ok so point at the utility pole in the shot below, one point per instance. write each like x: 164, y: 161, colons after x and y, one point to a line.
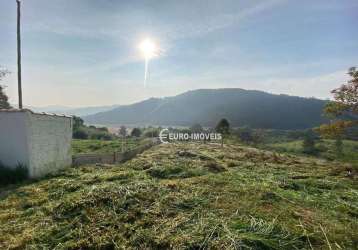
x: 19, y: 52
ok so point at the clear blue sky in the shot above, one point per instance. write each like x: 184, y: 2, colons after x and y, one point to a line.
x: 85, y: 52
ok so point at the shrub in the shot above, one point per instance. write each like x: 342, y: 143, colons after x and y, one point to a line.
x: 101, y: 136
x: 81, y: 131
x: 309, y: 144
x: 136, y: 132
x: 151, y: 133
x: 80, y: 134
x: 12, y: 176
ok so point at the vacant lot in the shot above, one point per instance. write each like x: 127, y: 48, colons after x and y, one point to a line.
x: 188, y: 196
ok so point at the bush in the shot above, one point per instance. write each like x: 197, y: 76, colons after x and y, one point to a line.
x: 12, y: 176
x: 81, y: 131
x: 309, y: 144
x: 151, y: 133
x: 77, y: 123
x: 80, y: 134
x: 136, y: 132
x: 101, y: 136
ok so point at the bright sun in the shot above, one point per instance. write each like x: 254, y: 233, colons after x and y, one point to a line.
x: 148, y: 48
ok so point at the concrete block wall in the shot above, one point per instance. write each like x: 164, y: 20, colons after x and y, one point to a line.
x: 111, y: 158
x: 41, y: 142
x: 13, y: 139
x: 50, y: 143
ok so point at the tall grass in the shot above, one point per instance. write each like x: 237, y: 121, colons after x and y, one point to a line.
x: 12, y: 175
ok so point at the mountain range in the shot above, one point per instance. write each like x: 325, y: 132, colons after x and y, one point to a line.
x: 241, y: 107
x: 81, y: 111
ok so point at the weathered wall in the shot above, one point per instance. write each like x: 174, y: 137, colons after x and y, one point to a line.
x: 13, y: 139
x: 42, y: 142
x: 50, y: 143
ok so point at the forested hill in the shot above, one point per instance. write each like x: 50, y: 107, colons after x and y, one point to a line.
x: 241, y: 107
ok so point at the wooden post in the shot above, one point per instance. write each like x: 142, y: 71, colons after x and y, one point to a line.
x: 19, y: 52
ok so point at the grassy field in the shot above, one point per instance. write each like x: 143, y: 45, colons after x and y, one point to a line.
x: 187, y: 196
x: 326, y: 149
x: 101, y: 146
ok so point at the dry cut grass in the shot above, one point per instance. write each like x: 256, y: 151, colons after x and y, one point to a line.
x: 187, y: 196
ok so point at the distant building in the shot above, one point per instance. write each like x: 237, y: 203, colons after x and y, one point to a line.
x: 39, y: 141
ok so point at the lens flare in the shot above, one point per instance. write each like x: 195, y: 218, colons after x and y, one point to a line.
x: 149, y: 50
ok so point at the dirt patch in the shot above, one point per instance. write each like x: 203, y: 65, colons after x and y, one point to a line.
x: 214, y: 167
x: 186, y: 154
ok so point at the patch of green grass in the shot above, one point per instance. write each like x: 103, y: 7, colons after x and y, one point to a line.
x: 326, y: 149
x: 172, y: 172
x: 206, y: 198
x: 101, y: 146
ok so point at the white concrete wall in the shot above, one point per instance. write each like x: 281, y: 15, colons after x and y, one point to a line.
x: 14, y: 139
x: 41, y: 142
x: 50, y: 143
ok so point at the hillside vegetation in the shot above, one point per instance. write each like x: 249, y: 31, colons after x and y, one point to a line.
x: 187, y: 196
x: 241, y: 107
x: 326, y: 149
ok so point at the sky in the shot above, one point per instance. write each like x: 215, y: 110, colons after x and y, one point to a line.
x: 85, y: 52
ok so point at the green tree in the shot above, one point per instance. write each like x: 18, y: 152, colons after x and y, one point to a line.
x: 309, y: 143
x: 80, y: 134
x: 136, y: 132
x: 79, y: 130
x: 77, y: 123
x: 4, y: 103
x: 223, y: 127
x: 123, y: 131
x: 343, y: 110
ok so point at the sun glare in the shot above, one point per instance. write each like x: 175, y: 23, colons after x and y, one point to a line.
x: 148, y: 48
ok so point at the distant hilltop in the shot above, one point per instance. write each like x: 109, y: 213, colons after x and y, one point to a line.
x: 241, y: 107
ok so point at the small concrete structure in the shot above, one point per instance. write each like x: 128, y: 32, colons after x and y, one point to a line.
x: 39, y: 141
